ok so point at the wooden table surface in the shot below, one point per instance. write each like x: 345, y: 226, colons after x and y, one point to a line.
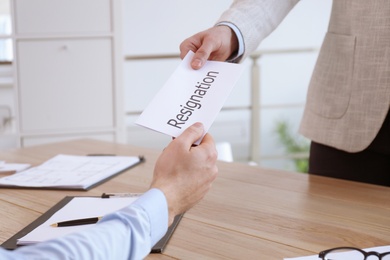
x: 250, y: 212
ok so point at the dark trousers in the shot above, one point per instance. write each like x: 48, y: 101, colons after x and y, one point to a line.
x: 371, y: 165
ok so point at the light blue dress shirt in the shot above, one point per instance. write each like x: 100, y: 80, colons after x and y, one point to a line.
x: 128, y: 233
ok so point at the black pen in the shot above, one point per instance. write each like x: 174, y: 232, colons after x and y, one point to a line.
x: 76, y: 222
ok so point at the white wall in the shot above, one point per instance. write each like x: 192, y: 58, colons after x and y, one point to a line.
x: 158, y: 27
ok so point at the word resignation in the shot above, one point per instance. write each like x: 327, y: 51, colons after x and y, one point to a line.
x: 194, y: 102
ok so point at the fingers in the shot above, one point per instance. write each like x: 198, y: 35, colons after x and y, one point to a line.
x: 188, y: 45
x: 208, y: 152
x: 216, y: 43
x: 208, y: 143
x: 202, y: 52
x: 202, y: 45
x: 191, y: 135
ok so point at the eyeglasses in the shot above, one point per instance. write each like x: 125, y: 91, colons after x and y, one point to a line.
x: 340, y: 253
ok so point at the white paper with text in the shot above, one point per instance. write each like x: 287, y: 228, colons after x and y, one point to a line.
x: 78, y: 207
x: 191, y: 96
x: 70, y: 171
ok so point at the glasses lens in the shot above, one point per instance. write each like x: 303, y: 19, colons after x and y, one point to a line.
x: 342, y: 254
x: 386, y: 257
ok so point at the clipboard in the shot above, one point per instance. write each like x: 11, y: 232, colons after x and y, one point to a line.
x: 11, y: 243
x: 94, y: 183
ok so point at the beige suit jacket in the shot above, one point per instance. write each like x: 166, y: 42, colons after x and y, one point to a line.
x: 349, y: 93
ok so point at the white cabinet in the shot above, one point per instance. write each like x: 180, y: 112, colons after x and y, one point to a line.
x: 65, y: 84
x: 68, y: 76
x: 53, y: 17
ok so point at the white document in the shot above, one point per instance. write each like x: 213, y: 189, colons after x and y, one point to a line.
x: 191, y: 96
x: 346, y: 255
x: 77, y: 208
x: 70, y: 171
x: 12, y: 167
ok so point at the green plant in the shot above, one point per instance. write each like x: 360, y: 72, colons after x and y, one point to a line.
x: 293, y: 145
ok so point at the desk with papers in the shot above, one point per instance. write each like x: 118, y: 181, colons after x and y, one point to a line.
x: 250, y: 212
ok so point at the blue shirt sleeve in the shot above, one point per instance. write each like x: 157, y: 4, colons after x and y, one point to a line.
x: 128, y: 233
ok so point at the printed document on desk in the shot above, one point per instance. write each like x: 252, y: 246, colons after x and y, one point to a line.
x: 71, y: 172
x: 91, y: 207
x: 191, y: 96
x: 7, y: 168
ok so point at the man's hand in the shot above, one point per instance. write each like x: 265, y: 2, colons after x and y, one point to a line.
x: 217, y: 43
x: 183, y: 172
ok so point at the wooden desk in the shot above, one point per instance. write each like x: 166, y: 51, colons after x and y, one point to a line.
x: 250, y: 213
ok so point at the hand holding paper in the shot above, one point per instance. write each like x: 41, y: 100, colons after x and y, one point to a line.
x: 191, y: 96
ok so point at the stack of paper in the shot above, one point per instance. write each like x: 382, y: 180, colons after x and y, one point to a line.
x: 70, y: 172
x: 7, y: 168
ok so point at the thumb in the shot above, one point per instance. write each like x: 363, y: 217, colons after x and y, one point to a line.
x: 201, y: 56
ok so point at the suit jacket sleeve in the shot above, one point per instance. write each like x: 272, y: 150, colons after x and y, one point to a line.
x: 256, y: 19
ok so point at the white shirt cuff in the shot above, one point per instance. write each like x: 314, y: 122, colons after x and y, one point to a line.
x: 241, y: 47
